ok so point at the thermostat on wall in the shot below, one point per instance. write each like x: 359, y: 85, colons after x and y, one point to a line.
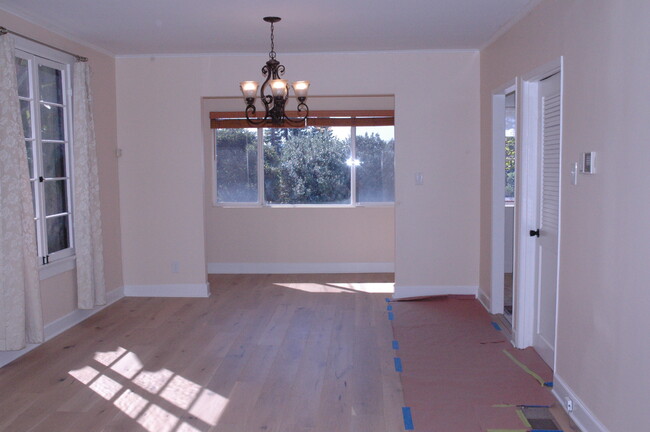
x: 588, y: 160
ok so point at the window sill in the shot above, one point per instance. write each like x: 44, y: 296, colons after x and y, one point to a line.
x: 55, y: 268
x: 303, y: 206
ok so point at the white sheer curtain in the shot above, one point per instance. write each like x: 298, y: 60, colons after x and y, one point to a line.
x: 91, y: 290
x: 21, y: 319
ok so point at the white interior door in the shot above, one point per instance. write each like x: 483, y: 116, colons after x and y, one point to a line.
x: 550, y: 107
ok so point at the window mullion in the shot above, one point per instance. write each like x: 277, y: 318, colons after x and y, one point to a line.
x: 260, y: 167
x: 353, y: 165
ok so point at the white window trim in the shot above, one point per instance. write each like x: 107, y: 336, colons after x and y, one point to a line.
x: 61, y: 261
x: 260, y: 182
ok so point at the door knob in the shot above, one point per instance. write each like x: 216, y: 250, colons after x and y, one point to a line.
x: 534, y: 233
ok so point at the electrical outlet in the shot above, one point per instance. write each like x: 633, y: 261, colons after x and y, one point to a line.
x: 569, y: 404
x: 175, y: 267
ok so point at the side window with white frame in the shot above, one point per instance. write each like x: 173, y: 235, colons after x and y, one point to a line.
x: 44, y: 90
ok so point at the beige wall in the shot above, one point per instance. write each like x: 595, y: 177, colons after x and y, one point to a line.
x: 59, y: 292
x: 602, y: 345
x: 162, y: 172
x: 294, y: 235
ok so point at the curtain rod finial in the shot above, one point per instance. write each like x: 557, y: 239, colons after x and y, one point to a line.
x: 3, y: 31
x: 81, y: 59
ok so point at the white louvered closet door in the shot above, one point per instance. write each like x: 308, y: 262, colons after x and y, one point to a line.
x: 549, y: 217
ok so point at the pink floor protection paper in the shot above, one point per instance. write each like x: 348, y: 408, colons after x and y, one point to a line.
x: 455, y: 374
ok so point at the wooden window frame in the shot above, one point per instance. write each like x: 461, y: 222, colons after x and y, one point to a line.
x: 322, y: 118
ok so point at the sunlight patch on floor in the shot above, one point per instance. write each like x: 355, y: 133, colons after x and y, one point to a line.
x: 128, y: 365
x: 368, y: 287
x: 157, y: 400
x: 209, y: 407
x: 106, y: 387
x: 337, y: 288
x: 187, y: 428
x: 153, y: 382
x: 86, y: 374
x: 156, y: 419
x: 131, y: 403
x: 180, y: 392
x: 108, y: 357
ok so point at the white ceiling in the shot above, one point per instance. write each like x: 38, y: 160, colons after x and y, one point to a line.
x: 139, y: 27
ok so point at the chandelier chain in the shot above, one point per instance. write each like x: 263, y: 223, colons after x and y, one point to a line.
x: 272, y: 53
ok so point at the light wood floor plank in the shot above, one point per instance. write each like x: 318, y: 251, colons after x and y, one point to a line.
x: 283, y: 353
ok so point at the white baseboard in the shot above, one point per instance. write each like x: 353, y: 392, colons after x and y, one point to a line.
x: 484, y: 299
x: 299, y: 268
x: 62, y: 324
x: 581, y: 415
x: 402, y: 292
x: 182, y: 290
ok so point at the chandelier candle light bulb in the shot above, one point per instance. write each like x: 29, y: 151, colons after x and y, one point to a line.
x: 279, y: 88
x: 248, y: 88
x: 300, y: 89
x: 275, y: 102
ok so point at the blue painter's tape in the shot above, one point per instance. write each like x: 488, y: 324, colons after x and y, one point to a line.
x: 389, y: 307
x: 387, y: 300
x: 390, y: 316
x: 408, y: 418
x: 398, y: 364
x: 548, y: 384
x: 395, y: 345
x: 496, y: 326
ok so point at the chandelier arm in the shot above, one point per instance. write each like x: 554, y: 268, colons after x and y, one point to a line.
x: 279, y: 71
x: 250, y: 112
x: 270, y: 71
x: 302, y: 107
x: 263, y: 95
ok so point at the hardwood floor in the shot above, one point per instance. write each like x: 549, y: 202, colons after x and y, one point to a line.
x: 269, y: 353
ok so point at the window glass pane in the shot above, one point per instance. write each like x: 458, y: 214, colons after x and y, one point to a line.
x: 26, y: 114
x: 236, y: 165
x: 29, y: 147
x: 53, y: 159
x: 55, y: 197
x: 51, y: 85
x: 511, y: 123
x: 306, y: 166
x: 375, y: 152
x: 51, y: 122
x: 57, y: 234
x: 33, y: 185
x: 22, y: 73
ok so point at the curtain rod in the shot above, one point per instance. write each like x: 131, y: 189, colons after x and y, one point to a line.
x: 4, y: 31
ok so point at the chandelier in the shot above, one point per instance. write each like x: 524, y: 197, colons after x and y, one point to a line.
x: 275, y: 102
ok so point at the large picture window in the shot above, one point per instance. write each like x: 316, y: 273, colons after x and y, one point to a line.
x: 337, y: 160
x: 44, y: 94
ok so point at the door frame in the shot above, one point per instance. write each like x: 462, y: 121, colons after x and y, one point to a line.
x: 527, y: 201
x: 498, y: 195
